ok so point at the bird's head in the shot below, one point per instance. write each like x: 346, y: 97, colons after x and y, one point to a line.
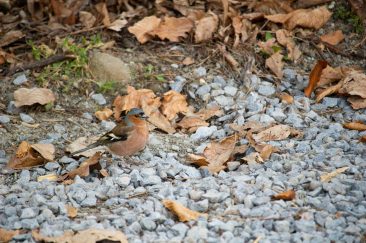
x: 137, y: 112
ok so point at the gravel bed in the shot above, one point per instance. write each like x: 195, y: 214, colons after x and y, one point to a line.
x: 237, y: 200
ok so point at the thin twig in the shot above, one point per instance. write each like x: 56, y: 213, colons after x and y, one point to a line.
x: 41, y: 63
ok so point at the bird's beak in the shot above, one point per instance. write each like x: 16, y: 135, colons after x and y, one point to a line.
x: 144, y: 116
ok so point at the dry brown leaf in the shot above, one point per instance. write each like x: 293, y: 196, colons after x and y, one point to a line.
x: 47, y: 151
x: 265, y: 151
x: 363, y: 139
x: 329, y: 176
x: 117, y: 25
x: 218, y: 153
x: 83, y: 142
x: 32, y: 96
x: 103, y: 11
x: 184, y: 214
x: 192, y: 123
x: 286, y: 98
x: 84, y: 169
x: 275, y: 64
x: 173, y: 28
x: 284, y: 38
x: 103, y: 114
x: 198, y: 160
x: 253, y: 126
x: 330, y: 90
x: 355, y: 84
x: 287, y: 196
x: 151, y: 109
x: 49, y: 177
x: 142, y: 28
x: 71, y: 211
x: 205, y: 28
x: 132, y: 100
x: 242, y: 29
x: 188, y: 61
x: 355, y: 126
x: 84, y: 236
x: 333, y: 38
x: 7, y: 235
x: 87, y: 19
x: 239, y: 150
x: 253, y: 157
x: 329, y: 75
x: 26, y: 156
x: 315, y: 76
x: 357, y: 102
x: 275, y: 133
x: 104, y: 172
x: 308, y: 18
x: 238, y: 129
x: 173, y: 103
x: 11, y: 36
x: 207, y: 113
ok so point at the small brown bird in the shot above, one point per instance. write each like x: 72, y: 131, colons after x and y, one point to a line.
x: 127, y: 138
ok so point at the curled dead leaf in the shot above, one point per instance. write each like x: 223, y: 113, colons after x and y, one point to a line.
x: 84, y: 169
x: 104, y: 114
x: 205, y: 28
x: 32, y: 96
x: 286, y: 98
x: 198, y: 160
x: 142, y: 28
x: 275, y: 64
x: 253, y: 157
x: 315, y: 76
x: 355, y: 84
x: 308, y: 18
x: 275, y: 133
x: 173, y: 29
x: 31, y: 155
x: 333, y: 38
x: 355, y: 126
x: 192, y: 123
x: 287, y: 196
x: 173, y: 103
x: 284, y: 38
x: 184, y: 214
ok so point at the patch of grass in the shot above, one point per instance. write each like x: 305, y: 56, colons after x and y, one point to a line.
x: 106, y: 87
x: 151, y: 74
x: 65, y: 73
x: 346, y: 15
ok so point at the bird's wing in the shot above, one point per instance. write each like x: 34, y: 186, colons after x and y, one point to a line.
x: 119, y: 133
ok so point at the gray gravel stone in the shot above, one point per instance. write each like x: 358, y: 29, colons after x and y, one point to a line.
x: 230, y: 90
x: 224, y: 100
x: 148, y: 224
x: 20, y: 79
x: 87, y: 116
x: 266, y: 89
x: 12, y: 109
x: 99, y: 99
x: 28, y: 213
x: 4, y: 119
x: 203, y: 133
x: 200, y: 72
x: 26, y: 118
x: 178, y: 83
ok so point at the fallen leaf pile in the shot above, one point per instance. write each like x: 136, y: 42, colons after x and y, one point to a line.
x: 28, y: 155
x: 164, y: 112
x: 216, y: 155
x: 344, y: 81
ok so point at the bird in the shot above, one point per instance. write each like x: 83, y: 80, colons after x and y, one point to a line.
x: 127, y: 138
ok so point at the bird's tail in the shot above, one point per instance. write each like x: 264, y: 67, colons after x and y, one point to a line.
x: 91, y: 146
